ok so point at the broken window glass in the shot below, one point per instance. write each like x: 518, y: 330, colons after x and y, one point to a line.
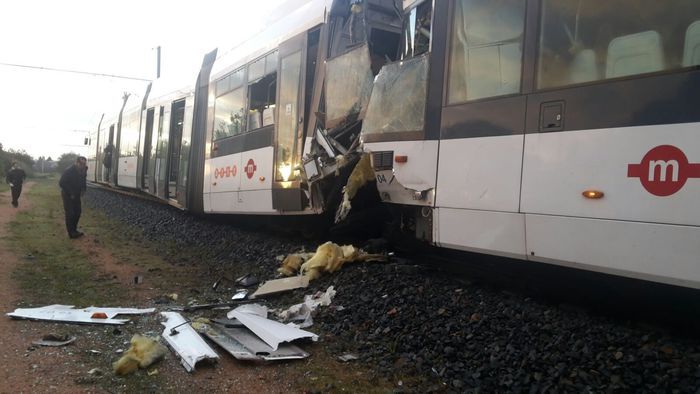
x: 348, y: 25
x: 348, y: 84
x: 398, y: 98
x: 416, y: 31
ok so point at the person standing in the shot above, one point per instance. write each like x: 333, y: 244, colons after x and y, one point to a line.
x: 15, y: 177
x: 72, y: 188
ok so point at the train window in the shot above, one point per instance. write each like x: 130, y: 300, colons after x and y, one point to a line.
x: 271, y: 62
x: 229, y: 110
x: 416, y: 31
x: 486, y: 49
x: 261, y: 102
x: 585, y: 41
x: 229, y: 82
x: 398, y: 98
x: 349, y: 84
x: 256, y: 69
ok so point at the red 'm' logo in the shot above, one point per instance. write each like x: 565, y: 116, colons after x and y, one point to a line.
x: 250, y: 168
x: 664, y: 170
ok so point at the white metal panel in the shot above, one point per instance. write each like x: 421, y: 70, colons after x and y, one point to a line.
x: 255, y: 202
x: 127, y: 171
x: 256, y: 169
x: 225, y: 173
x: 656, y: 252
x: 481, y: 231
x: 417, y: 174
x: 558, y: 167
x: 224, y: 202
x: 480, y: 173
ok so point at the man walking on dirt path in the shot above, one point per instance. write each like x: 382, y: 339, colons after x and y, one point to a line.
x: 72, y: 188
x: 15, y: 177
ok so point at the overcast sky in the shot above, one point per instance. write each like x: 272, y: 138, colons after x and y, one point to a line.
x: 48, y: 113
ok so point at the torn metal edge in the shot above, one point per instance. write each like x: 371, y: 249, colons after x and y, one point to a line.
x: 270, y: 331
x: 184, y: 340
x: 243, y: 344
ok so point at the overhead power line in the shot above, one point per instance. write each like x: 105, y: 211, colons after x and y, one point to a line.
x: 72, y: 71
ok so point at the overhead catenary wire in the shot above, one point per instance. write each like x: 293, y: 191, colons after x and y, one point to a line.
x: 96, y: 74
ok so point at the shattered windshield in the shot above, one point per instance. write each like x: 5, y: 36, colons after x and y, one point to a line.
x: 398, y: 98
x: 349, y: 84
x: 416, y: 31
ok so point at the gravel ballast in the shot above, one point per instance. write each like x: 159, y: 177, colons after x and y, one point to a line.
x: 430, y: 330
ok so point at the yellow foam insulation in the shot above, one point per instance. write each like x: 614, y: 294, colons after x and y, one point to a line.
x: 143, y: 352
x: 329, y: 257
x: 360, y: 175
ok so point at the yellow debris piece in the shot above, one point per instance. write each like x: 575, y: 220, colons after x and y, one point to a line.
x: 329, y: 257
x: 360, y: 175
x: 143, y: 352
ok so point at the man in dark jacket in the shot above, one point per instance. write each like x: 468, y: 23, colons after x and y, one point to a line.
x: 15, y: 177
x: 72, y: 188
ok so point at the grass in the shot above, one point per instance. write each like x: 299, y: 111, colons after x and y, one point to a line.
x: 4, y: 187
x: 54, y: 270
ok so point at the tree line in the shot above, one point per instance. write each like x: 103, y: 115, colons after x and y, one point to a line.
x: 34, y: 166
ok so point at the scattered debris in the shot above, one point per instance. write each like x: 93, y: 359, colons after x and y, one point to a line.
x: 270, y: 331
x: 185, y: 341
x: 280, y: 285
x: 138, y: 279
x: 54, y: 340
x: 302, y: 312
x: 240, y: 295
x: 219, y: 305
x: 96, y: 372
x: 93, y: 351
x: 67, y: 314
x: 329, y: 257
x: 347, y: 357
x: 247, y: 280
x: 173, y: 296
x: 153, y: 372
x: 242, y: 344
x: 144, y: 351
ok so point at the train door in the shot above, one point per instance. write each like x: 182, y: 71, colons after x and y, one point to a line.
x: 482, y: 129
x: 177, y: 120
x: 161, y: 173
x: 148, y: 136
x: 185, y: 151
x: 286, y: 192
x: 109, y: 156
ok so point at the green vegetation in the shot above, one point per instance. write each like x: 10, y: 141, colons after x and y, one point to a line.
x: 55, y: 271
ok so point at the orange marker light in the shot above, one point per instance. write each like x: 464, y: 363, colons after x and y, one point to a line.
x: 262, y: 179
x: 593, y: 194
x: 400, y: 159
x: 99, y: 315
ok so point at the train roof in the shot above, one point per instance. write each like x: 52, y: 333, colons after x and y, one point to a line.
x: 296, y: 17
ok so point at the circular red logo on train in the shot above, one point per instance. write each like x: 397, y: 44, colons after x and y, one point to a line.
x: 664, y: 170
x: 250, y: 168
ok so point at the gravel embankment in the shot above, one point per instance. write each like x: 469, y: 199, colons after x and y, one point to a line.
x: 432, y: 330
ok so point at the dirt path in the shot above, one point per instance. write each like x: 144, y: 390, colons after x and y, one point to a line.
x: 24, y: 368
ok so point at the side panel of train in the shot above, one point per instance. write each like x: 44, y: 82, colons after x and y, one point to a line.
x: 567, y: 133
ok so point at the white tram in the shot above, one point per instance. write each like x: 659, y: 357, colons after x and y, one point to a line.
x: 556, y: 131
